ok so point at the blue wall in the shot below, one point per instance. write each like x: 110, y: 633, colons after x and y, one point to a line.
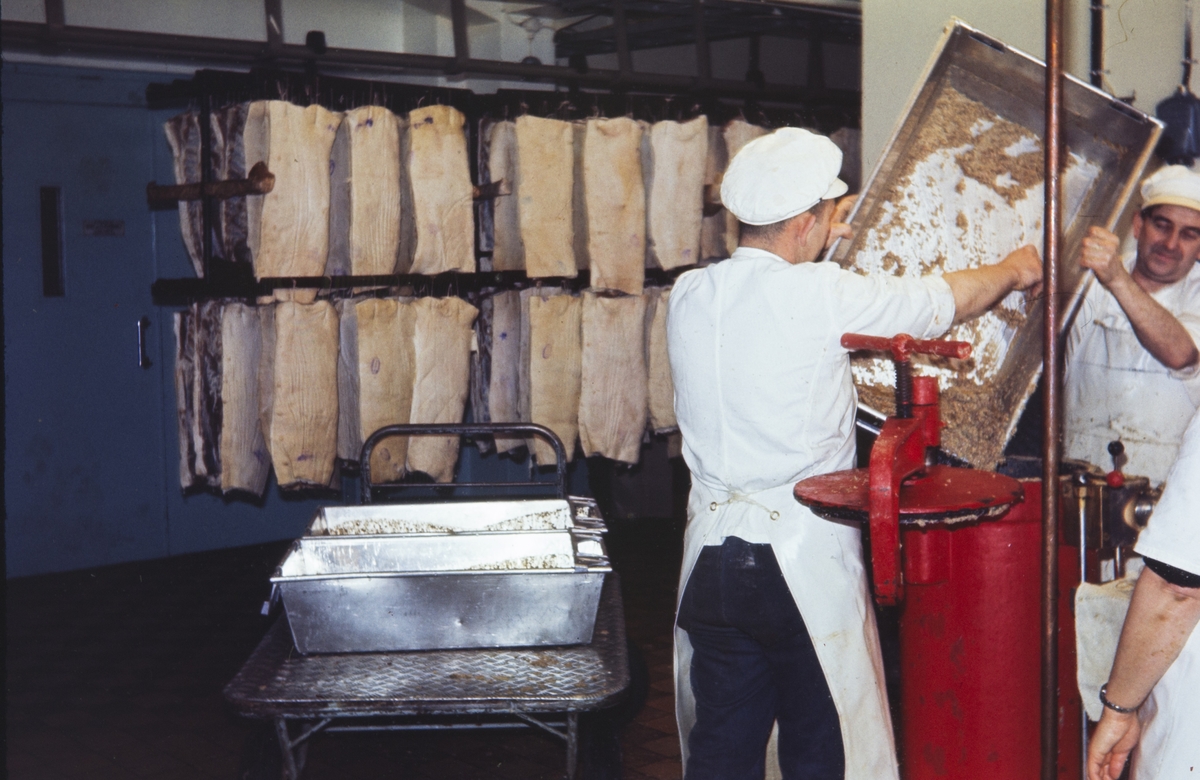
x: 92, y: 463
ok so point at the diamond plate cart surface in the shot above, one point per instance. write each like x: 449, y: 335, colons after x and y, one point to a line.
x: 304, y: 695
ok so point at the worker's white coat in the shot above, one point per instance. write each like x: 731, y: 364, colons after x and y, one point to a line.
x: 1115, y: 389
x: 1170, y: 744
x: 764, y: 398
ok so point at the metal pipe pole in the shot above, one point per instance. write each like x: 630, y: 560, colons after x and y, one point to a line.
x: 1051, y: 454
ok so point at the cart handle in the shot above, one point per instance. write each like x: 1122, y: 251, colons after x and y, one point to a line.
x: 560, y: 452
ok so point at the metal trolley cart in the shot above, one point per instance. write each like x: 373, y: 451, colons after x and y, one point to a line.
x: 543, y: 687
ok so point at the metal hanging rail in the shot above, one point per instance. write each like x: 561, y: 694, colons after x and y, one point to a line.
x: 67, y: 39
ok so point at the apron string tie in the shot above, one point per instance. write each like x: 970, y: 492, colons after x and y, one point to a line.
x: 743, y: 498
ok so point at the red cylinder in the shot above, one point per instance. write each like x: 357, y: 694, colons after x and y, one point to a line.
x: 970, y: 650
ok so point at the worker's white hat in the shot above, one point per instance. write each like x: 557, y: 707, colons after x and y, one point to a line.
x: 1173, y: 185
x: 779, y: 175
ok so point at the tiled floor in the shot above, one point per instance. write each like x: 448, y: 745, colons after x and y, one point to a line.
x: 117, y: 673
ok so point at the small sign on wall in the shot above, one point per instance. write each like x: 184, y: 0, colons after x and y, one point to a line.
x: 104, y: 228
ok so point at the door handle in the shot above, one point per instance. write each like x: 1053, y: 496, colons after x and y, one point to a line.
x: 143, y: 357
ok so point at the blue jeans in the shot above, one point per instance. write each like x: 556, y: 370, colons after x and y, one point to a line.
x: 753, y: 664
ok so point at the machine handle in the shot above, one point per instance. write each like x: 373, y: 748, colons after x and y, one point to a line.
x: 902, y: 346
x: 143, y: 356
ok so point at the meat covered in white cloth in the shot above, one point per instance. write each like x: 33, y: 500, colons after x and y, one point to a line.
x: 387, y: 365
x: 660, y: 396
x: 288, y: 228
x: 612, y: 401
x: 304, y: 401
x: 439, y: 175
x: 614, y: 199
x: 546, y: 153
x: 549, y: 372
x: 678, y: 154
x: 364, y: 219
x: 442, y: 336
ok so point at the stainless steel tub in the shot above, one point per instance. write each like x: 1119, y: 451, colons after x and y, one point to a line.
x: 445, y: 578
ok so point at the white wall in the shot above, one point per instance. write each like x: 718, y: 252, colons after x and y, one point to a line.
x: 1142, y: 54
x: 899, y: 37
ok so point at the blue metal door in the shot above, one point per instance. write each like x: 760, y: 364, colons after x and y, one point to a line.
x: 83, y: 472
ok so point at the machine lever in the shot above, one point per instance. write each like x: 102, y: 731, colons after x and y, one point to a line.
x: 902, y: 346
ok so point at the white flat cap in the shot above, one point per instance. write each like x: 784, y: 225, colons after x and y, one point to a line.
x: 779, y: 175
x: 1172, y: 185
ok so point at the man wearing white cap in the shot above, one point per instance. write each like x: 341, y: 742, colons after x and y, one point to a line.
x: 1133, y: 370
x: 775, y: 625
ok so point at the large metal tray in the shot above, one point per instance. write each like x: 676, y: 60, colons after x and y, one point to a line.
x: 459, y: 517
x: 960, y: 185
x: 439, y: 588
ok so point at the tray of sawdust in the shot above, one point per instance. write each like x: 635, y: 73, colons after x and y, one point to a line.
x: 960, y: 184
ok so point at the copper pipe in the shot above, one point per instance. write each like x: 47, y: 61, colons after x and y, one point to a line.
x: 1051, y: 454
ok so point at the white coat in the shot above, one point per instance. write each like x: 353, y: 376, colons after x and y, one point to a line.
x: 764, y: 398
x: 1115, y: 389
x: 1171, y: 715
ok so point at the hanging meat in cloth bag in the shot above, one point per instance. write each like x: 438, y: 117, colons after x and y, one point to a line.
x: 675, y: 156
x: 660, y: 395
x: 551, y: 348
x: 508, y: 253
x: 736, y: 134
x: 245, y: 462
x: 712, y: 230
x: 386, y: 373
x: 612, y: 404
x: 303, y: 406
x: 288, y: 228
x: 229, y: 161
x: 183, y: 135
x: 442, y: 195
x: 546, y: 151
x: 349, y: 436
x: 364, y: 216
x: 504, y: 382
x: 614, y: 204
x: 442, y: 336
x: 185, y: 376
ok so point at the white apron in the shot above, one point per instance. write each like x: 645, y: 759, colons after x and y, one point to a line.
x: 764, y: 398
x: 822, y: 563
x: 1115, y: 389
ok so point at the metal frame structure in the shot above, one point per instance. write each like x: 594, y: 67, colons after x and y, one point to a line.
x: 343, y: 692
x: 57, y: 37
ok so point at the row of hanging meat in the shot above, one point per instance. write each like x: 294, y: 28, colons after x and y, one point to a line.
x: 368, y: 192
x: 298, y: 386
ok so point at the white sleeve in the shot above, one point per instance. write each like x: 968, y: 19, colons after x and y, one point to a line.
x: 887, y: 305
x: 1173, y: 533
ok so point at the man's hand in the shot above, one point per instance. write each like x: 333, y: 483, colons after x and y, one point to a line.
x: 1109, y: 748
x: 1100, y: 252
x: 978, y: 289
x: 838, y: 228
x: 1026, y: 267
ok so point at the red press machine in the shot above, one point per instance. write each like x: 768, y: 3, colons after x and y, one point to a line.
x: 959, y: 551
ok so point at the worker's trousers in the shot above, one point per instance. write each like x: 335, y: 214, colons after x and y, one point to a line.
x: 753, y: 664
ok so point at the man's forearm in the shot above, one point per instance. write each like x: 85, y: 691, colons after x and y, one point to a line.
x: 978, y: 289
x: 1161, y: 618
x: 1156, y: 329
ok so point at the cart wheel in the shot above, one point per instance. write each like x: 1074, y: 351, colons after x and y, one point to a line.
x: 260, y: 754
x: 639, y: 688
x: 600, y: 732
x: 599, y: 747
